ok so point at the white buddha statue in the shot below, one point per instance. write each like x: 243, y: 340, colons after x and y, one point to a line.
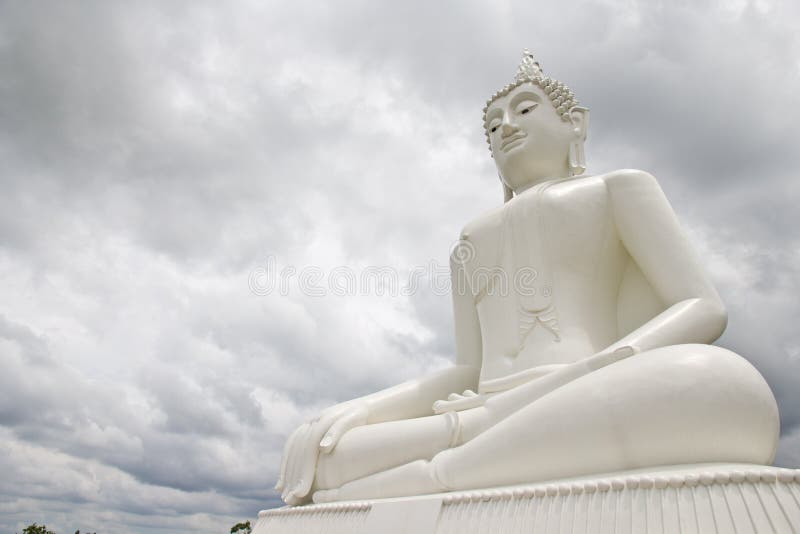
x: 582, y: 319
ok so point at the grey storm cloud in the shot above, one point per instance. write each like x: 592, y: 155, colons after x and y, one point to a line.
x: 153, y: 156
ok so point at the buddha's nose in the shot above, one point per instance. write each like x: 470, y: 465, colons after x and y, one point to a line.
x: 507, y: 127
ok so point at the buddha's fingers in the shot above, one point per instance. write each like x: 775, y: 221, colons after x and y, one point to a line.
x: 293, y: 500
x: 291, y: 478
x: 307, y: 463
x: 355, y: 417
x: 458, y: 405
x: 287, y: 451
x: 290, y: 458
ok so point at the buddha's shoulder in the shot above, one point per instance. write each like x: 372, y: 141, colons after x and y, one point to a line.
x: 625, y: 177
x: 483, y: 223
x: 609, y: 180
x: 598, y: 187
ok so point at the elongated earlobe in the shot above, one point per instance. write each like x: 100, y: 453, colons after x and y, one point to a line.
x: 577, y: 159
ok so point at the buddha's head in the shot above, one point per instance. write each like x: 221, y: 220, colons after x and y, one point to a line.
x: 535, y: 129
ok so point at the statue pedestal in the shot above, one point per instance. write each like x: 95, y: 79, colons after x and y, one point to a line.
x: 700, y: 499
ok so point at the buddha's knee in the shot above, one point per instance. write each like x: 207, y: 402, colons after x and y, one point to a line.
x: 704, y: 403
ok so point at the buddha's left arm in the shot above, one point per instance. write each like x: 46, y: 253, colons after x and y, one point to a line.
x: 693, y: 312
x: 649, y: 230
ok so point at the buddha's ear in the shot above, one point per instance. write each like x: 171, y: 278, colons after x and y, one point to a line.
x: 580, y: 121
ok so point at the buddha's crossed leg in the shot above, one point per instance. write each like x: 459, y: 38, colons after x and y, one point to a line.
x: 674, y: 405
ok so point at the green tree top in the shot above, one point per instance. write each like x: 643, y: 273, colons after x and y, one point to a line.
x: 36, y: 529
x: 241, y: 528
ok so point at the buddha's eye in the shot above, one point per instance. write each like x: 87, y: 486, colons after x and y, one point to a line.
x: 494, y: 125
x: 526, y: 107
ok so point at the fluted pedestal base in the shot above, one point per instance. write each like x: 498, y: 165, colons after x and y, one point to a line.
x: 699, y: 499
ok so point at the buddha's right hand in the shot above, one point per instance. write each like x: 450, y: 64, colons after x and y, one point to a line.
x: 299, y: 464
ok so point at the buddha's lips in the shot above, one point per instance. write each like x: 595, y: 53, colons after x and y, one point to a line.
x: 516, y: 137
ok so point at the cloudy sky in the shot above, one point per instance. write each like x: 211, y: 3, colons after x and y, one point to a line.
x: 160, y: 161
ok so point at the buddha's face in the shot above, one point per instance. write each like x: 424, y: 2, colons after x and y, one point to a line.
x: 529, y: 139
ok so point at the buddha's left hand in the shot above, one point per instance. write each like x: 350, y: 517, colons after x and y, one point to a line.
x: 458, y: 402
x: 469, y: 399
x: 530, y: 383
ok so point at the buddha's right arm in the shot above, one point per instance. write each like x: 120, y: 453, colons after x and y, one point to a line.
x: 408, y: 400
x: 415, y: 398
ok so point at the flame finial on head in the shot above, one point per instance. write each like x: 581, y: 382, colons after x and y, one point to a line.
x: 528, y: 68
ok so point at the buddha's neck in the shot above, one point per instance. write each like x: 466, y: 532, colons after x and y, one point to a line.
x: 533, y: 183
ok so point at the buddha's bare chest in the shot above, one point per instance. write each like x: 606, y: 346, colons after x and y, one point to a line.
x: 559, y: 231
x: 541, y: 266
